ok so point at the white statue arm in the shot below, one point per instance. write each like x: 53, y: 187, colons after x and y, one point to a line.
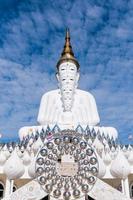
x: 96, y: 117
x: 93, y: 109
x: 43, y: 109
x: 47, y: 110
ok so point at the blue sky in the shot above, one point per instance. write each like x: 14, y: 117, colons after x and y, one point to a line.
x: 31, y: 40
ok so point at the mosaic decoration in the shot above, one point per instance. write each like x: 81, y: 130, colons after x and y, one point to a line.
x: 67, y: 166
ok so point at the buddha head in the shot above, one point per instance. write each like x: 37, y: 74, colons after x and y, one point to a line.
x: 67, y: 74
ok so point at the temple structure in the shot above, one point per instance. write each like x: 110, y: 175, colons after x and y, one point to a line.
x: 68, y: 155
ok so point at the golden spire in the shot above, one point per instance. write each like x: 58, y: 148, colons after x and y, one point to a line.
x: 67, y: 53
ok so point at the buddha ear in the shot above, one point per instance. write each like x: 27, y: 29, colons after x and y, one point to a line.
x: 57, y: 75
x: 77, y: 77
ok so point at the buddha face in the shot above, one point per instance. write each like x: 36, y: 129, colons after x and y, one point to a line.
x: 68, y: 78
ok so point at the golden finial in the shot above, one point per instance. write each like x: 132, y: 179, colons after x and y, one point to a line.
x: 67, y: 53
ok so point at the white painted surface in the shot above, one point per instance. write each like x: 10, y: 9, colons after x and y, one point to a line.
x: 84, y: 110
x: 33, y: 191
x: 103, y: 191
x: 30, y: 191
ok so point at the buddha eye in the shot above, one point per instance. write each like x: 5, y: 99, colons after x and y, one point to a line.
x: 71, y: 79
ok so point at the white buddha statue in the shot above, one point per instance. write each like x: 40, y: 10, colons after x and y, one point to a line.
x: 68, y: 106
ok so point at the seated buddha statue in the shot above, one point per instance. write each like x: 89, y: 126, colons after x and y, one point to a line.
x: 68, y: 106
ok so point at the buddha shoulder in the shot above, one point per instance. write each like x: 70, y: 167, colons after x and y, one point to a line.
x: 52, y: 93
x: 85, y: 94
